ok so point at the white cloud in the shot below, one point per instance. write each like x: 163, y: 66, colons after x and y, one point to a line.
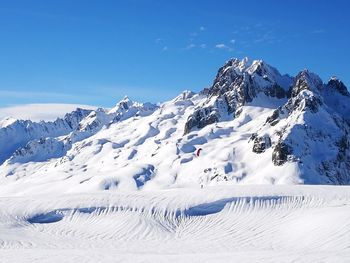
x: 202, y: 28
x: 190, y: 46
x: 158, y: 40
x: 38, y: 112
x: 221, y: 46
x: 318, y: 31
x: 233, y: 41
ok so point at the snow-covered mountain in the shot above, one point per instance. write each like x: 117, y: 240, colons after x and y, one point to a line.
x: 254, y: 126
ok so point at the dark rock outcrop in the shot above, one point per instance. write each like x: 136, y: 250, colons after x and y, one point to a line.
x: 201, y: 118
x: 336, y: 84
x: 281, y: 153
x: 276, y: 91
x: 273, y: 119
x: 305, y: 80
x: 261, y: 143
x: 237, y: 83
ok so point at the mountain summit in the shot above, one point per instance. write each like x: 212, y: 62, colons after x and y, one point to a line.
x: 253, y: 126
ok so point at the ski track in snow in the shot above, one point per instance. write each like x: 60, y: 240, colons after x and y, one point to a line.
x: 224, y: 223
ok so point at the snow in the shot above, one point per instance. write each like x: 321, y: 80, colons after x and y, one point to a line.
x: 124, y: 184
x: 110, y: 149
x: 213, y: 224
x: 133, y: 191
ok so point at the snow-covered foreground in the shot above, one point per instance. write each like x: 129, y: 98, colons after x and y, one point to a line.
x: 215, y: 224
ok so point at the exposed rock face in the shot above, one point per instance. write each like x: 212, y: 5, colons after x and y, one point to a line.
x: 313, y: 113
x: 281, y: 153
x: 49, y: 148
x: 274, y: 118
x: 276, y: 91
x: 260, y: 143
x: 337, y: 85
x: 305, y: 80
x: 236, y: 84
x: 312, y: 117
x: 201, y: 118
x: 211, y: 113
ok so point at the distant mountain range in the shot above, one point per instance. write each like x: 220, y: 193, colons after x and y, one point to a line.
x: 254, y: 126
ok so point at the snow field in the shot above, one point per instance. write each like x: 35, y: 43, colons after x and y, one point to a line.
x: 293, y: 223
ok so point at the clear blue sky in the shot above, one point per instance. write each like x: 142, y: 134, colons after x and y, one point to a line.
x: 95, y: 52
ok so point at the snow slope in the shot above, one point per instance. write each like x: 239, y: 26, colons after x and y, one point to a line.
x: 216, y: 224
x: 254, y: 125
x: 125, y: 185
x: 137, y: 152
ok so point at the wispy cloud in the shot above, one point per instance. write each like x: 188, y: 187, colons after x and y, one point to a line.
x: 203, y: 45
x: 36, y: 95
x: 233, y: 41
x: 202, y: 28
x: 40, y: 111
x: 158, y: 40
x: 223, y: 47
x: 267, y: 37
x: 161, y: 44
x: 190, y: 46
x: 318, y: 31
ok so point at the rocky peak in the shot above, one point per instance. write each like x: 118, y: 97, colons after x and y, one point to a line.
x: 73, y: 118
x: 124, y: 104
x: 239, y: 76
x: 237, y: 83
x: 337, y: 85
x: 185, y: 95
x: 305, y: 80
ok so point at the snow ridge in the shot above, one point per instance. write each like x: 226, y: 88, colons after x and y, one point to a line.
x: 254, y: 126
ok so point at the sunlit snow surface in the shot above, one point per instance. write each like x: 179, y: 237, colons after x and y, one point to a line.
x: 213, y: 224
x: 130, y: 191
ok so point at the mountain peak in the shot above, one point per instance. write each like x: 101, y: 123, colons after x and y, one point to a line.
x: 126, y: 98
x: 250, y: 131
x: 306, y: 80
x: 239, y: 65
x: 7, y: 121
x: 124, y: 104
x: 338, y: 85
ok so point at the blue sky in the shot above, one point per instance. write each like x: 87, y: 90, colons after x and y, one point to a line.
x: 95, y: 52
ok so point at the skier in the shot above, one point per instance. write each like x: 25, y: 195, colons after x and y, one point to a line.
x: 198, y: 152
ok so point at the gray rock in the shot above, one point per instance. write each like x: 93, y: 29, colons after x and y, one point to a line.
x: 261, y: 143
x: 274, y: 118
x: 336, y: 84
x: 281, y: 153
x: 201, y: 118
